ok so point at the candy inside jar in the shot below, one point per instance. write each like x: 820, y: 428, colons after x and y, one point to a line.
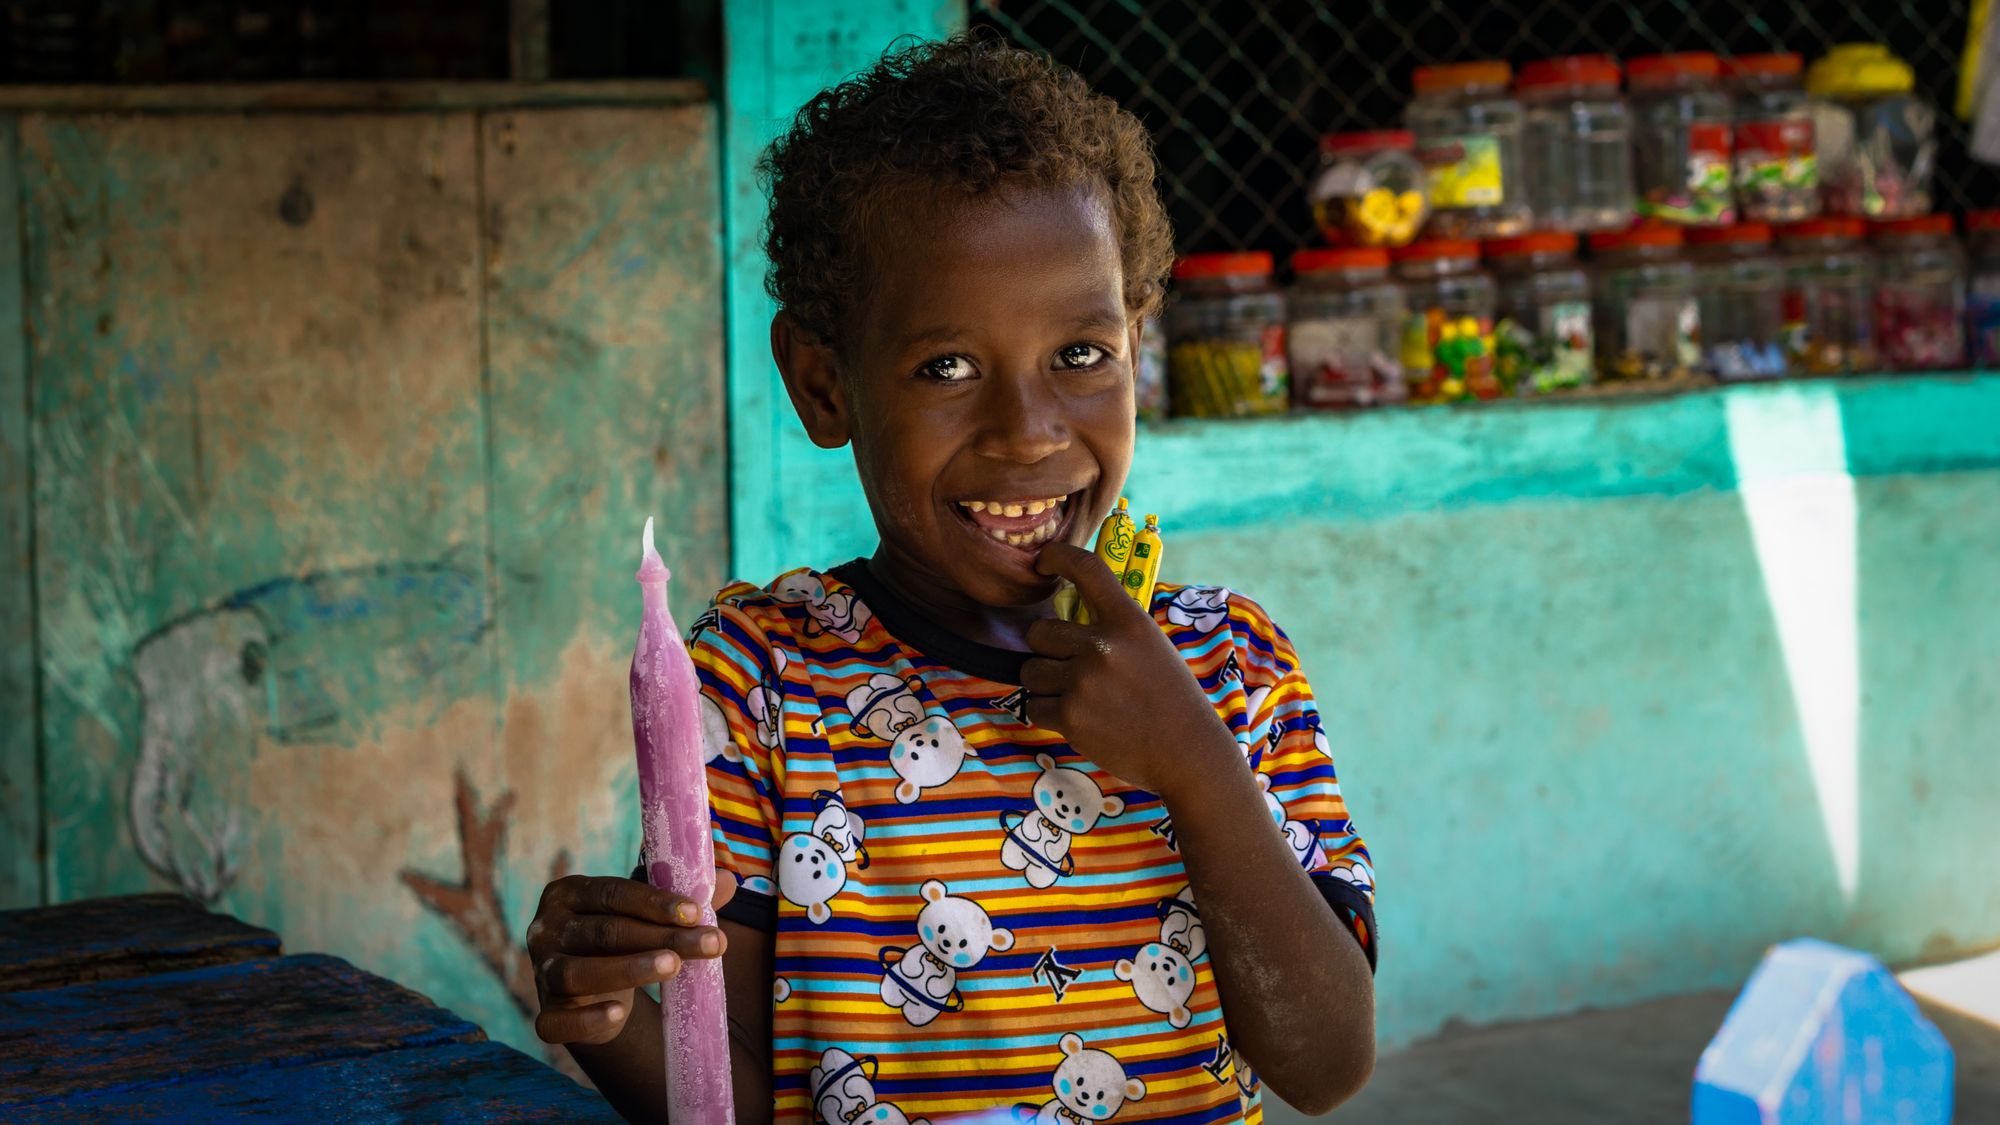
x: 1681, y: 147
x: 1829, y: 297
x: 1543, y: 339
x: 1740, y: 289
x: 1447, y: 341
x: 1919, y: 293
x: 1877, y: 140
x: 1648, y: 322
x: 1982, y: 301
x: 1370, y: 189
x: 1226, y: 338
x: 1776, y: 162
x: 1345, y: 322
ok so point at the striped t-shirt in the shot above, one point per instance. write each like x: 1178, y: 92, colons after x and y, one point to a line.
x: 965, y: 912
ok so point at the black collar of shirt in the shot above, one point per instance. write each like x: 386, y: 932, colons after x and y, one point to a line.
x: 908, y: 624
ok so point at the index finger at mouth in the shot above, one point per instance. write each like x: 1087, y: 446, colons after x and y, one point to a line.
x: 1099, y: 588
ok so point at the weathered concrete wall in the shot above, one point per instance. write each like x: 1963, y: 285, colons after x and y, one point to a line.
x: 1620, y: 692
x: 344, y: 425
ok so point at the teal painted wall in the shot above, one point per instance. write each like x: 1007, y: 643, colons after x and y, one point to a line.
x: 777, y: 55
x: 1621, y: 692
x: 344, y: 425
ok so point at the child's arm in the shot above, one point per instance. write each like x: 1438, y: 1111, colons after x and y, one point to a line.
x: 1297, y: 994
x: 593, y: 944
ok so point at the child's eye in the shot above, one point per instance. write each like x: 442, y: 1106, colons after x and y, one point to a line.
x: 946, y: 369
x: 1079, y: 356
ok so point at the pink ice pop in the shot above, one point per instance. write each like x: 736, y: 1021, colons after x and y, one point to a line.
x: 680, y: 856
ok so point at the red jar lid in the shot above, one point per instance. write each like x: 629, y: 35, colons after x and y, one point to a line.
x: 1777, y: 64
x: 1736, y: 234
x: 1533, y: 242
x: 1573, y: 70
x: 1333, y: 144
x: 1638, y: 236
x: 1661, y: 70
x: 1915, y: 224
x: 1827, y: 226
x: 1432, y: 249
x: 1340, y: 258
x: 1982, y: 220
x: 1461, y: 76
x: 1246, y: 264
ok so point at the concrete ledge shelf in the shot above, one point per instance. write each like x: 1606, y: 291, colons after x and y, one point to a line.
x: 1218, y: 473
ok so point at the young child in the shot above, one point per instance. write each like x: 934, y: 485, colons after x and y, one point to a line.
x: 977, y: 855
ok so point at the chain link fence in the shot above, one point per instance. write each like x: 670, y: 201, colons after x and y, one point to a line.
x: 1237, y: 95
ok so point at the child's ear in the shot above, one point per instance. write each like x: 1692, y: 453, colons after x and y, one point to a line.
x: 812, y: 380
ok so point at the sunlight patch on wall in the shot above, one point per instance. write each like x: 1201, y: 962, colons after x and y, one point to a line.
x: 1791, y: 465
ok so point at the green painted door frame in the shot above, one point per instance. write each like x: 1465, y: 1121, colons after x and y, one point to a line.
x: 777, y: 54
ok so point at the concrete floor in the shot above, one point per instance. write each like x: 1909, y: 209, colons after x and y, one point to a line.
x: 1636, y: 1064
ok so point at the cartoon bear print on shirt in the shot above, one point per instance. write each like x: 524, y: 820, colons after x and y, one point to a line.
x: 1320, y: 742
x: 885, y: 706
x: 765, y: 703
x: 1163, y: 979
x: 1300, y: 835
x: 838, y: 614
x: 1203, y: 608
x: 925, y: 756
x: 1180, y: 925
x: 715, y: 740
x: 1090, y: 1085
x: 1246, y: 736
x: 810, y: 872
x: 833, y: 823
x: 954, y: 934
x: 843, y: 1092
x: 1067, y: 804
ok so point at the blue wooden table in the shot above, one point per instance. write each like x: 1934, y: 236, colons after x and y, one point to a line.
x: 149, y: 1008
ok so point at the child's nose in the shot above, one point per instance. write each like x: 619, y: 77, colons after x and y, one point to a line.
x: 1023, y: 420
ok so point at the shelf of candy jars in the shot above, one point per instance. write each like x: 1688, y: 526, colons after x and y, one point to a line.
x: 1586, y: 226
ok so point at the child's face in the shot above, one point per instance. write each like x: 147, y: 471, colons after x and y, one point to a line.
x: 993, y: 366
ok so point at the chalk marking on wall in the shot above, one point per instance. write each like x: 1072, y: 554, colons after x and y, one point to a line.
x: 472, y: 905
x: 281, y: 660
x: 1790, y: 452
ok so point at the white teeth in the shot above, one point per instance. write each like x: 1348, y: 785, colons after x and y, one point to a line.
x: 997, y: 534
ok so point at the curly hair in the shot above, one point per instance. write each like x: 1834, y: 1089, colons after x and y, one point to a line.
x: 970, y: 113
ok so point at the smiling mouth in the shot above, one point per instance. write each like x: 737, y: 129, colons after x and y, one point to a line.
x: 1023, y: 525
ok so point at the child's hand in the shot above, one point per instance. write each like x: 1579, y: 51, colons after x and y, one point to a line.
x: 1117, y: 688
x: 596, y: 939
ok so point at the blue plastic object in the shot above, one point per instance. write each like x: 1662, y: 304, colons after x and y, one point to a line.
x: 1823, y: 1034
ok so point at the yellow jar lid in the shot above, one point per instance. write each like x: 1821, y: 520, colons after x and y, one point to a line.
x: 1859, y: 69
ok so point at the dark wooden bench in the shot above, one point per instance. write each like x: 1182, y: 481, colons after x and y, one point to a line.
x: 149, y: 1008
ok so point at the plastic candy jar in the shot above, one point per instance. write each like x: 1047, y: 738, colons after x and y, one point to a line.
x: 1149, y: 371
x: 1681, y: 145
x: 1226, y: 338
x: 1919, y: 293
x: 1740, y: 290
x: 1577, y: 143
x: 1777, y: 164
x: 1370, y: 189
x: 1468, y: 132
x: 1829, y: 297
x: 1345, y: 329
x: 1648, y: 323
x: 1982, y: 304
x: 1447, y: 345
x: 1542, y: 340
x: 1877, y: 140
